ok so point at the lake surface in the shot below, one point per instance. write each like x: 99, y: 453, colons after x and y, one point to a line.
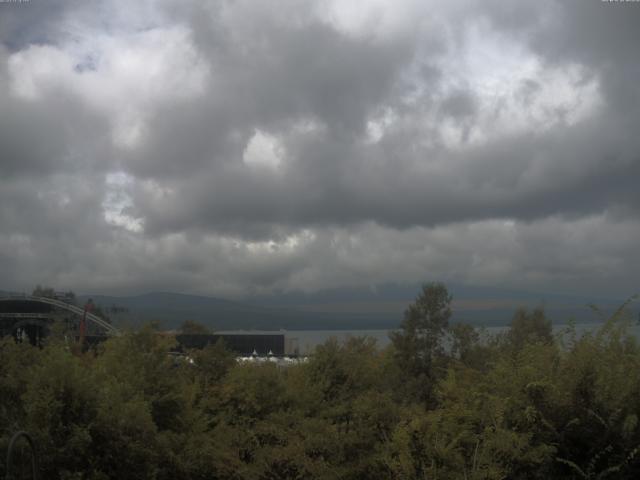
x: 307, y: 340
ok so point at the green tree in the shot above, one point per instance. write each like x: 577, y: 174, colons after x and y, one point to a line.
x: 212, y: 363
x: 418, y: 345
x: 467, y: 347
x: 529, y: 327
x: 194, y: 328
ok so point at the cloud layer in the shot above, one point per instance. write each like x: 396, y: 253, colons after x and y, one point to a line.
x: 229, y: 148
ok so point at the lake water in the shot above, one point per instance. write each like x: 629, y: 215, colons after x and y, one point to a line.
x: 307, y: 340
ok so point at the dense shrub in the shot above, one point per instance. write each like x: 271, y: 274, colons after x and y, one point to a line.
x: 524, y: 405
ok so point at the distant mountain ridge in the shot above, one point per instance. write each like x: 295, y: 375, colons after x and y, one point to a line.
x: 380, y: 307
x: 171, y: 309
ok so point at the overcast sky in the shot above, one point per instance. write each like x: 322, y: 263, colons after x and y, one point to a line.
x: 236, y: 147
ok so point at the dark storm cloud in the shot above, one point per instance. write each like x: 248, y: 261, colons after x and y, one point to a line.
x: 274, y: 75
x: 35, y: 22
x: 569, y: 171
x: 601, y: 35
x: 233, y: 146
x: 459, y: 105
x: 54, y: 135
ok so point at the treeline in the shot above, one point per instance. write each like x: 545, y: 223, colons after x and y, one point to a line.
x: 442, y: 402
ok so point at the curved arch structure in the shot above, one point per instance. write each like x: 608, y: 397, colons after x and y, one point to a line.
x: 108, y: 328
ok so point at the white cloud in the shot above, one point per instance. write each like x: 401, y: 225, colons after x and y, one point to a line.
x: 124, y: 77
x: 263, y: 150
x: 117, y: 201
x: 367, y: 18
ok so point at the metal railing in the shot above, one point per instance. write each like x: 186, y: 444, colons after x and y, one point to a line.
x: 110, y: 329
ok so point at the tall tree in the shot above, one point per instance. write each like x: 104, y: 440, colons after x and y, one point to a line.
x: 527, y: 327
x: 192, y: 327
x: 418, y: 344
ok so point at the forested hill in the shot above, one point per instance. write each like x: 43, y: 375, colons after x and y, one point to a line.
x: 344, y: 308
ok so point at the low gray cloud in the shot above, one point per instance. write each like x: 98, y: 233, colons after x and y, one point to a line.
x: 230, y: 148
